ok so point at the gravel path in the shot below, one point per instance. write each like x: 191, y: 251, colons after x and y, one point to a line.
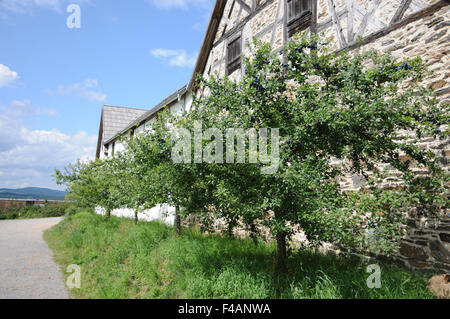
x: 27, y: 269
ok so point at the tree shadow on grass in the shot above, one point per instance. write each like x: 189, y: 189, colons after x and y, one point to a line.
x: 227, y: 268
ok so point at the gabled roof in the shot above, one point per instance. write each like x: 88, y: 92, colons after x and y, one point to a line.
x: 116, y: 118
x: 113, y: 120
x: 148, y: 114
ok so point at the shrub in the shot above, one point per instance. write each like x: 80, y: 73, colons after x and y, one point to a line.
x: 47, y: 210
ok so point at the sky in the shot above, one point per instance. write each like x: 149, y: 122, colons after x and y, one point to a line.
x: 55, y: 79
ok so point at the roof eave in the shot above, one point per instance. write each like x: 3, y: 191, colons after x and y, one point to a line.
x: 100, y: 137
x: 208, y: 40
x: 148, y: 115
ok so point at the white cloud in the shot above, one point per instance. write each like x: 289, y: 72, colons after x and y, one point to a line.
x: 11, y: 117
x: 25, y: 108
x: 29, y: 157
x: 29, y: 6
x: 48, y: 149
x: 85, y: 89
x: 7, y: 76
x: 50, y: 4
x: 183, y: 4
x: 179, y: 58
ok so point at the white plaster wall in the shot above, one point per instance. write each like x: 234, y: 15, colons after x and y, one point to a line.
x: 119, y: 148
x: 139, y: 129
x: 149, y: 123
x: 189, y: 99
x: 178, y: 107
x: 102, y: 153
x: 164, y: 213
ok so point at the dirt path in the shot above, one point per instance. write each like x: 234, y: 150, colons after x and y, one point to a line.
x: 27, y: 269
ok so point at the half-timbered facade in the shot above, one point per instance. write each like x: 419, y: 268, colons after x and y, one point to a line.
x: 404, y: 27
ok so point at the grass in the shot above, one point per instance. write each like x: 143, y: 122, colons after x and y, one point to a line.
x: 120, y: 259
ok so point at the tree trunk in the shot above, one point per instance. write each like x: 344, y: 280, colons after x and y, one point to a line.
x: 230, y: 227
x: 253, y: 234
x: 108, y: 214
x: 178, y: 220
x: 281, y: 267
x: 230, y: 230
x: 136, y: 215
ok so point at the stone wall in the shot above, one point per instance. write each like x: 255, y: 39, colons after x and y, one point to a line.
x: 427, y: 244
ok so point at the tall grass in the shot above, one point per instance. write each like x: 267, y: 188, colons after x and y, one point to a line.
x: 120, y: 259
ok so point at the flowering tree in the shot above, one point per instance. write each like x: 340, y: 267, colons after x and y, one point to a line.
x: 328, y: 107
x: 92, y: 184
x: 158, y: 179
x: 329, y: 116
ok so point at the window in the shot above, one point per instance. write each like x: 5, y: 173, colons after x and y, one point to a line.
x: 234, y: 55
x: 113, y: 148
x: 106, y: 147
x: 299, y: 15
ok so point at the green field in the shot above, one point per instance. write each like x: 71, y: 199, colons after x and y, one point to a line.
x: 120, y: 259
x: 50, y: 209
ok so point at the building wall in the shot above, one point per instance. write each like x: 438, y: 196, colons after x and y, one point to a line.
x: 428, y: 243
x: 427, y: 36
x: 265, y: 22
x: 178, y: 106
x: 163, y: 213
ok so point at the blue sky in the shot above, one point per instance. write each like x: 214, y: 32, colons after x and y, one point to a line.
x: 54, y: 80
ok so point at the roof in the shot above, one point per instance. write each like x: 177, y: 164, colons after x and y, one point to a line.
x: 116, y: 118
x: 147, y: 114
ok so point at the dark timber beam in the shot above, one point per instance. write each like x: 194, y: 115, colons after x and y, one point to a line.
x: 350, y: 16
x: 413, y: 17
x: 400, y: 11
x: 245, y: 6
x: 372, y: 8
x: 337, y: 25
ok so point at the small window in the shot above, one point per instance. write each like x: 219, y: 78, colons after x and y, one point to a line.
x: 106, y: 147
x: 234, y: 55
x: 299, y: 15
x: 113, y: 149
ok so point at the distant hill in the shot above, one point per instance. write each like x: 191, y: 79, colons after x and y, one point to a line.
x: 32, y: 193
